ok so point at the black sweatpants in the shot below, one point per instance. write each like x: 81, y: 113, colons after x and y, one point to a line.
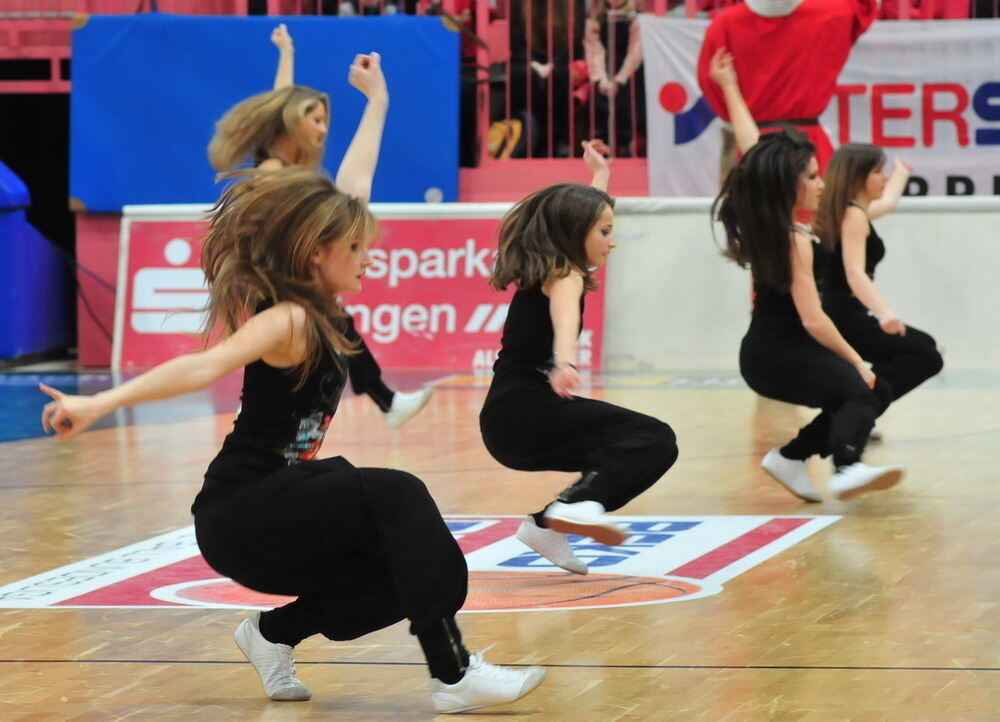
x: 620, y: 453
x: 903, y: 362
x: 796, y: 369
x: 364, y: 372
x: 361, y: 549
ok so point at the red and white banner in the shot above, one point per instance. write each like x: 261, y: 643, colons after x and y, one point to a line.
x: 928, y: 92
x: 426, y: 301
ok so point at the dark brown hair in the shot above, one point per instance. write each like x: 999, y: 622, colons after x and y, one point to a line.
x: 262, y: 236
x: 544, y: 235
x: 845, y: 177
x: 756, y: 204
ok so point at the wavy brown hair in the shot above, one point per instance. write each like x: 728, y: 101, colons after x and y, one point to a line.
x: 756, y: 205
x: 251, y: 126
x: 262, y: 236
x: 846, y: 175
x: 543, y: 236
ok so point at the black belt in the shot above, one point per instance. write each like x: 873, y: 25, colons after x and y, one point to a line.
x: 797, y: 122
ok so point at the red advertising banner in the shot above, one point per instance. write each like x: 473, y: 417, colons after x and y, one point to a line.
x: 426, y: 301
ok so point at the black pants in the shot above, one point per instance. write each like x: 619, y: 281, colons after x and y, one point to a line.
x: 364, y: 371
x: 796, y: 369
x: 620, y: 453
x: 903, y: 362
x: 361, y: 548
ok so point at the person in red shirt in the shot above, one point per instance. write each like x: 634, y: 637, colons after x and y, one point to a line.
x: 788, y: 54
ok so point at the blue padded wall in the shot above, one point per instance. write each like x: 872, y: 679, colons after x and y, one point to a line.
x: 147, y: 90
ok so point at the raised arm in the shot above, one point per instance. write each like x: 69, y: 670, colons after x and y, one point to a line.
x: 817, y: 324
x: 723, y: 72
x: 593, y: 156
x: 270, y: 335
x: 564, y: 309
x: 853, y: 239
x: 357, y: 169
x: 282, y: 40
x: 893, y: 190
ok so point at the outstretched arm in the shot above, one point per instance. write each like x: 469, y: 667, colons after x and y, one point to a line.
x: 817, y: 324
x: 271, y: 335
x: 593, y: 156
x: 893, y: 190
x: 564, y: 310
x: 282, y: 40
x: 357, y: 169
x: 723, y: 72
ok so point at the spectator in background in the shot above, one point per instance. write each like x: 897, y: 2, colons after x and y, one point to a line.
x: 614, y: 63
x: 543, y: 49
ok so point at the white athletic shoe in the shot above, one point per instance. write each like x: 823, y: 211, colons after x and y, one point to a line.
x: 875, y: 434
x: 550, y: 544
x: 850, y: 481
x: 406, y: 405
x: 484, y: 685
x: 273, y: 662
x: 791, y: 474
x: 586, y: 518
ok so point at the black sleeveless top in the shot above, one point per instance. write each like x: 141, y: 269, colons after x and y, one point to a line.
x: 526, y: 344
x: 774, y: 311
x: 278, y: 425
x: 838, y: 298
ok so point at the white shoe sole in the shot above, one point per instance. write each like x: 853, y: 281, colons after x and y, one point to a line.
x: 524, y: 693
x: 884, y: 481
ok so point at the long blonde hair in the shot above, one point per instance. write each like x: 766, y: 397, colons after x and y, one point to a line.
x: 251, y: 126
x: 262, y: 236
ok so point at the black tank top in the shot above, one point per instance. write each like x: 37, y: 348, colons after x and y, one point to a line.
x: 774, y: 310
x: 526, y: 345
x: 278, y: 425
x: 837, y: 295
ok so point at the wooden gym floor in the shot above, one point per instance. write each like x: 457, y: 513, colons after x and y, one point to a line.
x: 890, y: 612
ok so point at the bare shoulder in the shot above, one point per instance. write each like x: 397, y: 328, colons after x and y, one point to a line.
x: 855, y: 219
x: 285, y: 317
x: 271, y: 164
x: 571, y: 283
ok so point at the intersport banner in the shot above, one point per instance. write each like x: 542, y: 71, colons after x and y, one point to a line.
x: 927, y: 92
x: 426, y: 302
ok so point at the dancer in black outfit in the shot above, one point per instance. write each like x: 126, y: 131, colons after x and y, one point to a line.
x: 550, y: 243
x: 857, y: 191
x: 792, y: 351
x: 361, y: 549
x: 288, y: 126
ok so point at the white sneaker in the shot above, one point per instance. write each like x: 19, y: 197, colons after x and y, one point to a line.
x: 586, y: 518
x: 550, y: 544
x: 483, y: 685
x: 849, y: 481
x: 791, y: 474
x: 406, y: 405
x: 875, y: 434
x: 273, y: 662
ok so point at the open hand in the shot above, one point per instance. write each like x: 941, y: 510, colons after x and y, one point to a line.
x: 722, y: 69
x: 564, y: 379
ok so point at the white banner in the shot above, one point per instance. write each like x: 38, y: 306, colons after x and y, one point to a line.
x: 926, y: 91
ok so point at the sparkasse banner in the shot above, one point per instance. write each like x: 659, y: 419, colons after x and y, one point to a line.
x: 425, y: 301
x: 927, y: 92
